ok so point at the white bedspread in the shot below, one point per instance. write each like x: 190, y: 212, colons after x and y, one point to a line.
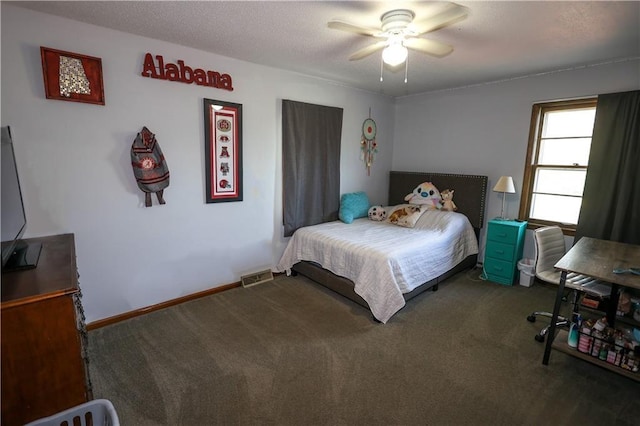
x: 384, y: 260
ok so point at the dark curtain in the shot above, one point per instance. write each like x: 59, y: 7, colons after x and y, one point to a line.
x: 611, y: 200
x: 311, y: 164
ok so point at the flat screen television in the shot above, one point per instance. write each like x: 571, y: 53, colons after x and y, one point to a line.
x: 16, y: 253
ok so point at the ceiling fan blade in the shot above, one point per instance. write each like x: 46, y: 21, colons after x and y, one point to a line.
x: 453, y: 14
x: 430, y: 47
x: 352, y: 28
x: 372, y: 48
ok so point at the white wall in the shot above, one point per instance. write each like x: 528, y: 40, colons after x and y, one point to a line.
x: 484, y: 129
x: 76, y: 174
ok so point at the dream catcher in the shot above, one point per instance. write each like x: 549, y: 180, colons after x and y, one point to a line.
x: 368, y: 144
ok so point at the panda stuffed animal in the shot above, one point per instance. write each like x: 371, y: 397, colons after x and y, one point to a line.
x: 377, y: 213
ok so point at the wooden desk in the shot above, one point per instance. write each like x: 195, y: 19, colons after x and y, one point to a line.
x: 43, y: 336
x: 596, y: 258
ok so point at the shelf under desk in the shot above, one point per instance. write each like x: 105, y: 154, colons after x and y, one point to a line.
x: 595, y: 258
x: 560, y: 344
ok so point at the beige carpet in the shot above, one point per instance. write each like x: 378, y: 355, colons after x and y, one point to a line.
x: 289, y: 352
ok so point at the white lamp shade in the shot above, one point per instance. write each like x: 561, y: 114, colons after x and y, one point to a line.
x: 505, y: 184
x: 394, y: 54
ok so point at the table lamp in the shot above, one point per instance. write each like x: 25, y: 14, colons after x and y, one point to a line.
x: 504, y: 185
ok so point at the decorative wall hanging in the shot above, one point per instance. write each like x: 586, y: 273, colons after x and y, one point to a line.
x: 368, y: 144
x: 223, y: 150
x: 149, y: 166
x: 72, y: 77
x: 184, y: 73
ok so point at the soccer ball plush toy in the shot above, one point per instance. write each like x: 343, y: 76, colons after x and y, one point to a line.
x: 377, y: 213
x: 425, y: 194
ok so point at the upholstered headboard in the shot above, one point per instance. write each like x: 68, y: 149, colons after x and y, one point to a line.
x: 469, y: 196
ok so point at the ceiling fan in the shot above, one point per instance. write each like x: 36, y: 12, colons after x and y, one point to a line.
x: 398, y: 33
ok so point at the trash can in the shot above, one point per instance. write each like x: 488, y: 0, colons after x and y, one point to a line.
x: 527, y: 273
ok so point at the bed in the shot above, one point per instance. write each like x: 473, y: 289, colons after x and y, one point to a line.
x: 380, y: 265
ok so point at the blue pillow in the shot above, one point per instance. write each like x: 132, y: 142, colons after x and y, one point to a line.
x: 353, y: 206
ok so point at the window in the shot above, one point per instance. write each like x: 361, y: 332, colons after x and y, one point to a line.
x: 557, y: 160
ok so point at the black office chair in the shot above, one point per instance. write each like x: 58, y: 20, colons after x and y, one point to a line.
x: 549, y: 249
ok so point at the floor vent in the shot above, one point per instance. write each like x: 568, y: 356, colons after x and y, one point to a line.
x: 257, y: 278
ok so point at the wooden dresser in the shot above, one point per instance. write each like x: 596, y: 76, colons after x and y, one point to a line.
x: 44, y: 367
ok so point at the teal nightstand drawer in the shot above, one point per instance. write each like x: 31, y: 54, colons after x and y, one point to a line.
x: 500, y: 251
x: 503, y: 233
x: 499, y: 271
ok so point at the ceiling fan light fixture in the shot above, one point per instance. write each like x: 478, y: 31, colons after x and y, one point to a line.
x: 394, y: 54
x: 398, y: 33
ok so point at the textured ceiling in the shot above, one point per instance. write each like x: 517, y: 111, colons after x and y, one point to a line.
x: 499, y: 40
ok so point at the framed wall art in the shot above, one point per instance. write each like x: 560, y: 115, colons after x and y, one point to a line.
x: 223, y: 150
x: 72, y: 77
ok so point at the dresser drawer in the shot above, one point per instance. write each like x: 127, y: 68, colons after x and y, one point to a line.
x: 499, y: 270
x: 500, y: 251
x: 503, y: 233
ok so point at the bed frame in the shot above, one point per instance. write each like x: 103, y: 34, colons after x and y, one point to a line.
x: 469, y: 197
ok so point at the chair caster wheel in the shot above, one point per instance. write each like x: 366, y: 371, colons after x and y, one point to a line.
x: 531, y: 318
x: 539, y: 338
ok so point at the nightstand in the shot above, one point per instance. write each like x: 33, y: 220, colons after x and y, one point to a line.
x: 505, y: 241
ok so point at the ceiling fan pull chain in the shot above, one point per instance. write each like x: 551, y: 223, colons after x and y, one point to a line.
x: 381, y: 68
x: 406, y: 69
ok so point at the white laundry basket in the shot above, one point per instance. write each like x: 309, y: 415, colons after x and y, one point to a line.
x: 527, y: 272
x: 100, y: 411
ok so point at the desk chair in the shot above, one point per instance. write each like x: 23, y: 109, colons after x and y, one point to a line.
x: 549, y: 249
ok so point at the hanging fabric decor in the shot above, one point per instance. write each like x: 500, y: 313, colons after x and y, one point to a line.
x: 149, y: 166
x: 368, y: 144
